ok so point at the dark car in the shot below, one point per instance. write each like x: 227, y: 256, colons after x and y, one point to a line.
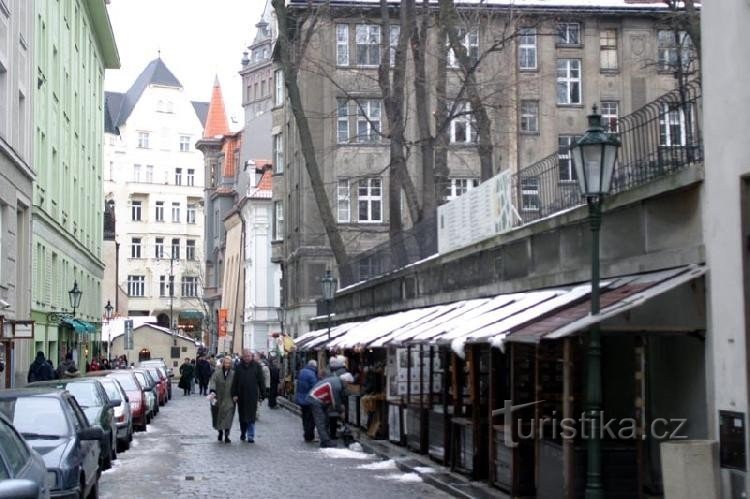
x: 136, y: 396
x: 55, y: 426
x: 149, y: 389
x: 18, y: 461
x: 93, y: 399
x: 161, y: 384
x: 166, y: 371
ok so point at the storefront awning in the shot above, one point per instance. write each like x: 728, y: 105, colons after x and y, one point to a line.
x: 523, y: 317
x: 191, y: 314
x: 78, y: 325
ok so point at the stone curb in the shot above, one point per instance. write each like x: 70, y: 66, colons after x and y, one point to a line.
x: 386, y: 450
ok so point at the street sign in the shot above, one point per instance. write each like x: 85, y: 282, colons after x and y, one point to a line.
x: 129, y: 334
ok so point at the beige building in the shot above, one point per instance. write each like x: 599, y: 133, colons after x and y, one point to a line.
x: 538, y: 87
x: 156, y: 342
x: 233, y: 297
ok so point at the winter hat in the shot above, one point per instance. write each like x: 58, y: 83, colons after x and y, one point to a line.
x: 40, y: 355
x: 312, y: 363
x: 347, y: 378
x: 337, y: 362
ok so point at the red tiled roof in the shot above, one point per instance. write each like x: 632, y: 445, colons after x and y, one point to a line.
x: 216, y: 121
x: 231, y: 144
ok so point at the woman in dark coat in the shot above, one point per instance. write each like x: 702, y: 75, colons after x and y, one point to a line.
x: 247, y: 387
x: 186, y: 376
x: 275, y: 373
x: 220, y: 386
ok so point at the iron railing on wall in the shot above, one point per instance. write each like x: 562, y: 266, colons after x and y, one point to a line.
x: 659, y: 139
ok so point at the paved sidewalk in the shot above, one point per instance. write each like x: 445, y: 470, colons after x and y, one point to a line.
x: 179, y: 457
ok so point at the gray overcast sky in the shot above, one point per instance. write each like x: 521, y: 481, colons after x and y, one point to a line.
x: 197, y: 39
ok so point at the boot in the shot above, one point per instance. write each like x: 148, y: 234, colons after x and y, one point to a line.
x: 221, y: 434
x: 226, y: 437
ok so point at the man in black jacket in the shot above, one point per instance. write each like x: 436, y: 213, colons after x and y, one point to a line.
x: 247, y: 387
x: 40, y: 369
x: 204, y: 374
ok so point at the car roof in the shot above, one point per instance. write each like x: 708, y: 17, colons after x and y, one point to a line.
x: 59, y: 383
x: 96, y: 374
x: 34, y: 391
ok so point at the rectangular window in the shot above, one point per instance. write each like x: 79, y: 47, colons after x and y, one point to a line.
x: 278, y: 218
x: 342, y: 121
x: 184, y: 143
x: 673, y: 49
x: 529, y: 116
x: 135, y: 247
x: 672, y: 126
x: 394, y: 35
x: 527, y: 48
x: 190, y: 249
x: 178, y: 176
x: 342, y: 44
x: 150, y: 174
x: 459, y: 186
x: 135, y: 211
x: 278, y: 96
x: 136, y: 285
x: 568, y: 81
x: 278, y: 153
x: 470, y: 41
x: 163, y: 286
x: 176, y: 212
x: 143, y: 140
x: 370, y: 200
x: 367, y: 40
x: 530, y: 193
x: 189, y: 286
x: 608, y: 49
x: 462, y: 129
x: 368, y: 121
x: 136, y: 173
x: 263, y: 88
x: 159, y: 211
x: 609, y: 116
x: 343, y: 201
x: 176, y: 249
x: 159, y: 248
x: 564, y: 158
x: 191, y: 210
x: 569, y: 34
x: 191, y: 176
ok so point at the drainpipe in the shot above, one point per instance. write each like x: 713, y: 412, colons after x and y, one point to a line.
x: 117, y: 277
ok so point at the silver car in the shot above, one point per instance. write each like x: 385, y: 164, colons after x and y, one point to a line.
x: 19, y: 462
x: 123, y: 417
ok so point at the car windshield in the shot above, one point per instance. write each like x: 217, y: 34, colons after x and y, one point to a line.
x: 36, y: 417
x: 86, y: 394
x: 127, y: 382
x: 142, y: 378
x: 110, y: 386
x: 154, y: 373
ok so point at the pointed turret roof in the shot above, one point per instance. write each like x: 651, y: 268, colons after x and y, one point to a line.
x: 216, y: 121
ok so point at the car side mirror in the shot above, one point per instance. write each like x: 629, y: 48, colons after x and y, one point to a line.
x: 19, y: 489
x: 127, y: 399
x: 113, y: 403
x: 91, y: 433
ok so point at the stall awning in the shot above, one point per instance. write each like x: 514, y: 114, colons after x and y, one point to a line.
x: 191, y: 314
x: 525, y: 317
x: 78, y: 325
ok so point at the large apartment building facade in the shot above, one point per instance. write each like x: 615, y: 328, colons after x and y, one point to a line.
x: 538, y: 84
x: 73, y: 45
x: 153, y: 179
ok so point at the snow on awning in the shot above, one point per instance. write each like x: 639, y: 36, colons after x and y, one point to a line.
x: 521, y: 317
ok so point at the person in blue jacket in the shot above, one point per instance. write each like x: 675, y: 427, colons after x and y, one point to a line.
x: 306, y: 379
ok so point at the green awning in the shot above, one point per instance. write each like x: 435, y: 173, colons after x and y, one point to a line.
x: 191, y: 314
x: 78, y: 325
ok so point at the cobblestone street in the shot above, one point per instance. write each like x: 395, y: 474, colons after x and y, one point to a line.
x: 179, y: 456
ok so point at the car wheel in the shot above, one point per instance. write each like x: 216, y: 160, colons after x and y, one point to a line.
x: 82, y: 493
x: 107, y: 458
x: 94, y: 492
x: 123, y: 445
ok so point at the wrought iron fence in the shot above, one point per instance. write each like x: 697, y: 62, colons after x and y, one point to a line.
x: 659, y: 139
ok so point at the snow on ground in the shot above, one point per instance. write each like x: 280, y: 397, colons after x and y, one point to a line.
x: 424, y: 470
x: 380, y: 465
x: 335, y: 453
x: 401, y: 477
x: 356, y: 447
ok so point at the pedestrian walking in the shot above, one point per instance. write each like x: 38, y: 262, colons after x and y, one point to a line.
x: 275, y: 374
x: 306, y: 379
x: 186, y: 376
x: 67, y: 368
x: 203, y: 368
x: 40, y: 369
x: 248, y: 386
x: 221, y: 390
x: 327, y: 395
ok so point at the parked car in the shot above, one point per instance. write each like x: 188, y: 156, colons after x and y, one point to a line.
x: 18, y: 461
x: 123, y: 417
x: 136, y: 396
x: 93, y: 399
x: 161, y: 384
x: 149, y: 389
x: 55, y: 426
x: 167, y: 371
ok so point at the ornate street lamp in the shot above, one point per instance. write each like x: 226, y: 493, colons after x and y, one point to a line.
x: 328, y: 284
x: 594, y: 157
x: 108, y: 308
x: 75, y: 297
